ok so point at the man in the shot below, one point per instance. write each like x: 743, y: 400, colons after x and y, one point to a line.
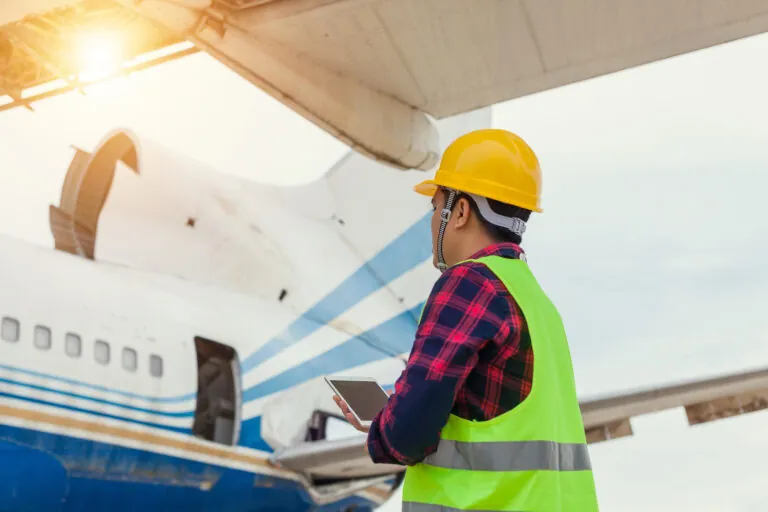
x: 480, y: 422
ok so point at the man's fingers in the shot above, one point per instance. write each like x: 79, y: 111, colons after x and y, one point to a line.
x: 342, y: 405
x: 348, y: 414
x: 356, y: 424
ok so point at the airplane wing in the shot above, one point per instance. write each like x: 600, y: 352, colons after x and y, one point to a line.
x: 604, y: 419
x: 704, y: 401
x: 373, y: 72
x: 370, y: 71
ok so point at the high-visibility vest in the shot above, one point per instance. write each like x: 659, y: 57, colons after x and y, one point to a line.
x: 531, y: 458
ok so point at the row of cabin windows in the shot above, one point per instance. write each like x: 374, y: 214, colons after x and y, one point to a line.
x: 10, y: 330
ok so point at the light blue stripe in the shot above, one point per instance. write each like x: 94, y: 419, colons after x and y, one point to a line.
x: 181, y: 430
x: 401, y: 255
x: 100, y: 388
x: 354, y: 352
x: 398, y: 332
x: 183, y: 414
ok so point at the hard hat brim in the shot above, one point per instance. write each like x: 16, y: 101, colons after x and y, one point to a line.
x: 426, y: 188
x: 429, y: 188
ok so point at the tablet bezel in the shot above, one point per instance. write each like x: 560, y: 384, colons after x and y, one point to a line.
x: 329, y: 381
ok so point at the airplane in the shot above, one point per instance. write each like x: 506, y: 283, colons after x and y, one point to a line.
x: 169, y: 349
x: 224, y: 323
x: 376, y: 74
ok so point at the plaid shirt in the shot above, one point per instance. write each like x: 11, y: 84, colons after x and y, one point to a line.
x: 472, y: 357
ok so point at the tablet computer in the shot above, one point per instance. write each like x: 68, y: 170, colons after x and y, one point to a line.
x: 364, y: 396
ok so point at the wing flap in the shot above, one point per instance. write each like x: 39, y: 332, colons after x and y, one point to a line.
x: 704, y: 401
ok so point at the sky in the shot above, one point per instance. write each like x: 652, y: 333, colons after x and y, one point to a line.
x: 652, y: 242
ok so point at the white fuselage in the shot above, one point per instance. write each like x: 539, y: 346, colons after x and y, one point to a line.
x: 116, y: 416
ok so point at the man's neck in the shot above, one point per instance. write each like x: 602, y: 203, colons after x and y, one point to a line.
x: 474, y: 246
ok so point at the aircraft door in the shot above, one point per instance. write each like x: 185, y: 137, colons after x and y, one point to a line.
x: 219, y: 393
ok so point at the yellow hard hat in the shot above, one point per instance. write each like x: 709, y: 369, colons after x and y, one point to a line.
x: 495, y: 164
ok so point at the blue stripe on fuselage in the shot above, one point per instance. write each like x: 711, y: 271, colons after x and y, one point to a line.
x: 101, y: 414
x: 95, y: 387
x: 181, y: 414
x: 353, y: 352
x: 401, y: 255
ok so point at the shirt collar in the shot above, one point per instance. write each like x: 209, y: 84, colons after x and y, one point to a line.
x: 503, y: 249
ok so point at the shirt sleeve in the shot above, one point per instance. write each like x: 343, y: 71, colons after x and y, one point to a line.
x: 462, y: 314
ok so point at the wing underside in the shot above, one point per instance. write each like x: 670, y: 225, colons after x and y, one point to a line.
x: 374, y: 72
x: 371, y: 71
x: 704, y: 401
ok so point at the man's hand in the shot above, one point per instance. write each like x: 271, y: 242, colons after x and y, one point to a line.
x: 350, y: 417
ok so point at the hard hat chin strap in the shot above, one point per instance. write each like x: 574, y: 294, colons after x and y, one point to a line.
x: 445, y: 216
x: 512, y: 224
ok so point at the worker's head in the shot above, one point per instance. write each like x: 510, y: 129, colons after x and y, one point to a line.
x: 487, y: 184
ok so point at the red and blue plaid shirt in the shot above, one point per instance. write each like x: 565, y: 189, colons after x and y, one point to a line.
x: 472, y: 357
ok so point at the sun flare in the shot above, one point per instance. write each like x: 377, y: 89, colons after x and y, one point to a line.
x: 100, y: 54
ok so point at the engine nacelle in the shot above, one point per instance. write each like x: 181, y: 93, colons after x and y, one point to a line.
x: 142, y: 206
x: 352, y: 249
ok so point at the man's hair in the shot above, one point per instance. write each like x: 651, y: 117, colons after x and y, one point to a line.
x: 497, y: 233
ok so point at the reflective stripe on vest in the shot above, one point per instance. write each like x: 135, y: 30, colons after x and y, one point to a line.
x: 428, y: 507
x: 510, y: 456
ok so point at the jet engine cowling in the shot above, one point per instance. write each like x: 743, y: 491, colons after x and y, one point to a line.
x: 138, y: 204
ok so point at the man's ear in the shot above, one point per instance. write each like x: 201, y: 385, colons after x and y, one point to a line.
x: 462, y: 212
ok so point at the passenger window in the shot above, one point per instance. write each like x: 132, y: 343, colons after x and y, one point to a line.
x: 101, y: 351
x: 9, y: 330
x: 72, y: 345
x: 129, y: 359
x: 155, y: 366
x: 42, y: 337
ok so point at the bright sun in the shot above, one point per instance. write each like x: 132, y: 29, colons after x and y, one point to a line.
x: 99, y: 54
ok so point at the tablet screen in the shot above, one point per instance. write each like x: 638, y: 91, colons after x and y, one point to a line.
x: 365, y: 397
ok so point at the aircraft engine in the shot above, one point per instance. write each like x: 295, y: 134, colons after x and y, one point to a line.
x: 142, y: 206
